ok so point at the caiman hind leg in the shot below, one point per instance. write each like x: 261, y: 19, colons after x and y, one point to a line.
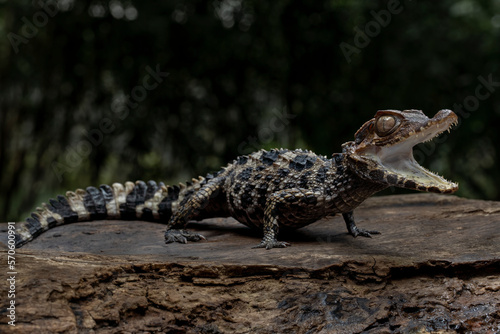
x: 285, y: 201
x: 197, y: 202
x: 353, y: 229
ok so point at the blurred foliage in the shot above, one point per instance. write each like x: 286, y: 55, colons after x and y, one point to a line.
x: 75, y: 111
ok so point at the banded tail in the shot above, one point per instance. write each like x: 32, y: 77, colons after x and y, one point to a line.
x: 132, y: 201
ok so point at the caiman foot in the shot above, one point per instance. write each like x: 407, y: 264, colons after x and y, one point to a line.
x: 360, y: 232
x: 268, y: 244
x: 353, y: 229
x: 182, y: 236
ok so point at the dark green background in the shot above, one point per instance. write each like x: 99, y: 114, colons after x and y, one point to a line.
x: 233, y: 68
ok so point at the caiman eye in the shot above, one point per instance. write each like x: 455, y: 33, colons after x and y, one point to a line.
x: 386, y: 124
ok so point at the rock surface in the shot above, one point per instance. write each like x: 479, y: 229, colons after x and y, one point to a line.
x: 435, y: 268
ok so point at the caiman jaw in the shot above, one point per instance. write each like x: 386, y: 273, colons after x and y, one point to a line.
x: 385, y: 144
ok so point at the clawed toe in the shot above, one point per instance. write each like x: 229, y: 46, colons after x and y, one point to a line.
x: 272, y: 244
x: 363, y: 233
x: 182, y: 236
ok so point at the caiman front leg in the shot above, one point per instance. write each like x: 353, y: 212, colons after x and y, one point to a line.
x: 271, y: 228
x: 353, y: 229
x: 287, y: 200
x: 270, y: 225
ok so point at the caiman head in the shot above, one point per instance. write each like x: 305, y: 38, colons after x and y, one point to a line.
x: 383, y: 149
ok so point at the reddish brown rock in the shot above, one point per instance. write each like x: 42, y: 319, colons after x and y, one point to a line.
x: 434, y: 268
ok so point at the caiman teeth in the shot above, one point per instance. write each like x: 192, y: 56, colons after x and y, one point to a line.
x: 422, y: 129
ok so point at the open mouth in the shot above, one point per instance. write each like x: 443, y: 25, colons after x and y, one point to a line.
x: 395, y: 135
x: 398, y: 158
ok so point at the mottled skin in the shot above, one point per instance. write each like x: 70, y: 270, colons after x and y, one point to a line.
x: 269, y: 189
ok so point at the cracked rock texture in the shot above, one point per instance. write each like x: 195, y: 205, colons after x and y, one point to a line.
x: 434, y: 269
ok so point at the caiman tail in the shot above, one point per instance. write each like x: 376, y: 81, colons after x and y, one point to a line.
x: 138, y: 200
